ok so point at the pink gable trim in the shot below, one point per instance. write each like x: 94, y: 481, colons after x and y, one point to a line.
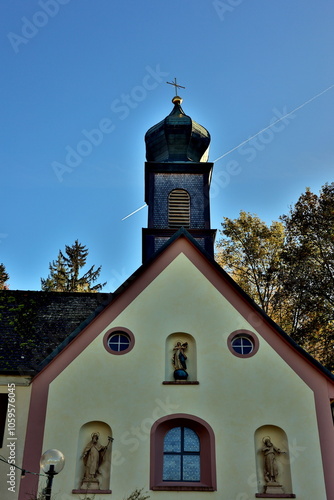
x: 322, y: 386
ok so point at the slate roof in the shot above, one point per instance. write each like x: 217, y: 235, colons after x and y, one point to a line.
x: 33, y: 324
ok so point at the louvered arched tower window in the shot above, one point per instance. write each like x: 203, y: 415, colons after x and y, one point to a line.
x: 178, y: 209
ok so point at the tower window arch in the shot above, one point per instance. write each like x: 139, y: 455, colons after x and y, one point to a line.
x: 178, y: 209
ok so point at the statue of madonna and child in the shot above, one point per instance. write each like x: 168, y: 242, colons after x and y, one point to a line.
x: 179, y: 361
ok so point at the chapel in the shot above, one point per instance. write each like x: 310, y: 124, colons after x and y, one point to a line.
x: 177, y: 384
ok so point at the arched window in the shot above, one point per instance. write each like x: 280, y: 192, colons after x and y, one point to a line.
x: 178, y: 209
x: 182, y: 454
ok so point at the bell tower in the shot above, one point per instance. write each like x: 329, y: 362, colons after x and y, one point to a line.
x: 177, y: 181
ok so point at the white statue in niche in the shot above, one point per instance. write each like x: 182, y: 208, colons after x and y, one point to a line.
x: 93, y: 456
x: 270, y: 468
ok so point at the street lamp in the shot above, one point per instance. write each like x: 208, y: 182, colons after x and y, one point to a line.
x: 52, y: 462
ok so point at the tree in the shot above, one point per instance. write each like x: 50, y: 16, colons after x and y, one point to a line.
x: 288, y: 268
x: 4, y: 276
x: 308, y: 271
x: 250, y: 251
x: 64, y: 272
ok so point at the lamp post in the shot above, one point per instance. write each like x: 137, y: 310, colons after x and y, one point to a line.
x: 52, y: 462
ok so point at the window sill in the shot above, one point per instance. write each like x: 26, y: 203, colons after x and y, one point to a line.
x: 182, y: 488
x: 180, y: 382
x: 93, y: 492
x: 278, y: 495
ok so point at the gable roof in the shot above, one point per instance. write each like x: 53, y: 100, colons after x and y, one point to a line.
x: 57, y: 318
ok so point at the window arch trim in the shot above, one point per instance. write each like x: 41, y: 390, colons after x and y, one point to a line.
x: 207, y: 454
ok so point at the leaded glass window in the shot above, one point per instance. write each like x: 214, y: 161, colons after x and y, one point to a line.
x: 181, y: 455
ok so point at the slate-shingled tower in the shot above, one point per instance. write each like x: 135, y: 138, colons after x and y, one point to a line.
x: 177, y: 181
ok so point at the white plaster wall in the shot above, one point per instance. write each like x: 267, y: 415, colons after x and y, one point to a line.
x: 22, y: 399
x: 235, y: 396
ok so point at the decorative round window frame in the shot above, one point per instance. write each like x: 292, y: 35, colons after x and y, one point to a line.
x: 247, y: 334
x: 122, y: 331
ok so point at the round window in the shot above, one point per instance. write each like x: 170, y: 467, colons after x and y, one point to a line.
x: 243, y: 343
x: 119, y: 341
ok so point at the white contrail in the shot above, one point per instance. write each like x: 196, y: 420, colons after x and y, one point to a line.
x: 134, y: 212
x: 257, y: 133
x: 269, y: 126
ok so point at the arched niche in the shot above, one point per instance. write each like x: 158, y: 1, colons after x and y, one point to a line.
x: 279, y: 440
x: 190, y: 353
x: 86, y: 432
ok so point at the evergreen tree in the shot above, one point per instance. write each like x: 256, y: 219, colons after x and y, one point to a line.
x: 64, y: 272
x: 57, y: 281
x: 4, y: 276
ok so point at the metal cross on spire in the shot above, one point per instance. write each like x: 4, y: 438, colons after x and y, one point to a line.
x: 175, y: 85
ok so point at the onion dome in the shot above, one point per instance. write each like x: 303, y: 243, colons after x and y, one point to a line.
x: 177, y: 138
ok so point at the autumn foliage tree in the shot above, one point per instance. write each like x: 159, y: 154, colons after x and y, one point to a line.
x: 250, y: 252
x: 288, y: 268
x: 65, y: 271
x: 308, y: 271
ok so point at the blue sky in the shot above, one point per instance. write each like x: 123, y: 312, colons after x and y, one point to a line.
x: 83, y: 80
